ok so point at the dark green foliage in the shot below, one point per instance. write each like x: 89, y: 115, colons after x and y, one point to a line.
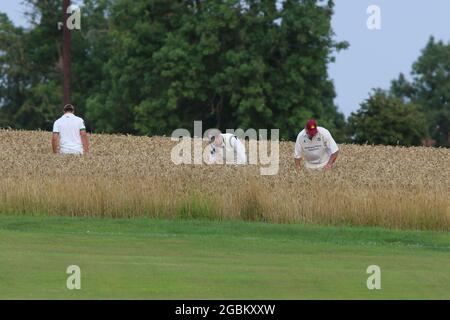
x: 417, y: 112
x: 150, y: 66
x: 28, y: 92
x: 430, y: 89
x: 431, y: 74
x: 385, y: 119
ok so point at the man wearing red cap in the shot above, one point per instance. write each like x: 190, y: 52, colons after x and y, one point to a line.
x: 316, y: 146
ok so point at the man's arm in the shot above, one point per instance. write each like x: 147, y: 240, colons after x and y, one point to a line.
x: 212, y: 155
x: 85, y: 141
x: 298, y: 154
x: 298, y: 163
x: 330, y: 162
x: 240, y: 151
x: 332, y: 148
x: 55, y: 142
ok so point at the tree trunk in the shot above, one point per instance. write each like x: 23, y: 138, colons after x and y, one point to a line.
x: 66, y: 54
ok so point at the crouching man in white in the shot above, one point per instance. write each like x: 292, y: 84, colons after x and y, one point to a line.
x: 226, y: 148
x: 69, y: 133
x: 316, y: 146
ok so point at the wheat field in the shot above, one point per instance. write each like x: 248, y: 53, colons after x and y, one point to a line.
x: 128, y: 176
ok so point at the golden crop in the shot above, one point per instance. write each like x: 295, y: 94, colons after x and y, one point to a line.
x: 127, y: 176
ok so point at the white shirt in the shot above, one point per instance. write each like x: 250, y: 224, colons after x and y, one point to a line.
x: 232, y: 150
x: 316, y: 151
x: 68, y: 127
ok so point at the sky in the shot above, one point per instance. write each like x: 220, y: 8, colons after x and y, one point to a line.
x: 375, y: 57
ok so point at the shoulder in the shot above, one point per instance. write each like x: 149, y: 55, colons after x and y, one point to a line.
x: 227, y: 137
x: 324, y: 131
x: 301, y: 135
x: 80, y: 121
x: 57, y: 121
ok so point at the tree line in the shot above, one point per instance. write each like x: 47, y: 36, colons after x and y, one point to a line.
x: 148, y: 67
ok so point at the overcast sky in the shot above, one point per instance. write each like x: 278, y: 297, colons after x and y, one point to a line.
x: 375, y: 57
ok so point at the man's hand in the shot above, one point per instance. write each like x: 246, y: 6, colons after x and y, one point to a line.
x: 55, y: 142
x: 298, y: 164
x: 85, y: 141
x: 331, y: 161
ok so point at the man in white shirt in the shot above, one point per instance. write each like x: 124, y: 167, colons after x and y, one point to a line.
x: 316, y: 146
x: 228, y: 147
x: 69, y: 133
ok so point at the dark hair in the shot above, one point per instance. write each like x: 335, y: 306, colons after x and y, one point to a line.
x: 69, y: 108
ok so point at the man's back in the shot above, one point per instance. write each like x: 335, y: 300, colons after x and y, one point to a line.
x: 232, y: 150
x: 68, y: 127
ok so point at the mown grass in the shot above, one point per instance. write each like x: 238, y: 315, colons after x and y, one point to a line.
x: 195, y: 259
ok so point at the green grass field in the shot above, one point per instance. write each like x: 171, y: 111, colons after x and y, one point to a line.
x: 192, y: 259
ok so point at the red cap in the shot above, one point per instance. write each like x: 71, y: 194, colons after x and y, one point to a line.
x: 311, y: 127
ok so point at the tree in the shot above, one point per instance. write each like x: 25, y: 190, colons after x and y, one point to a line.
x: 150, y: 66
x: 31, y: 63
x: 27, y: 92
x: 91, y: 48
x: 30, y: 85
x: 229, y: 63
x: 430, y: 89
x: 131, y: 80
x: 386, y: 119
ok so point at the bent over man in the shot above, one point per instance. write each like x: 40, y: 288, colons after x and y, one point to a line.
x: 316, y: 146
x: 69, y: 133
x: 228, y: 147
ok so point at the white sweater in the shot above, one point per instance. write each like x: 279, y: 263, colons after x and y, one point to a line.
x: 232, y: 151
